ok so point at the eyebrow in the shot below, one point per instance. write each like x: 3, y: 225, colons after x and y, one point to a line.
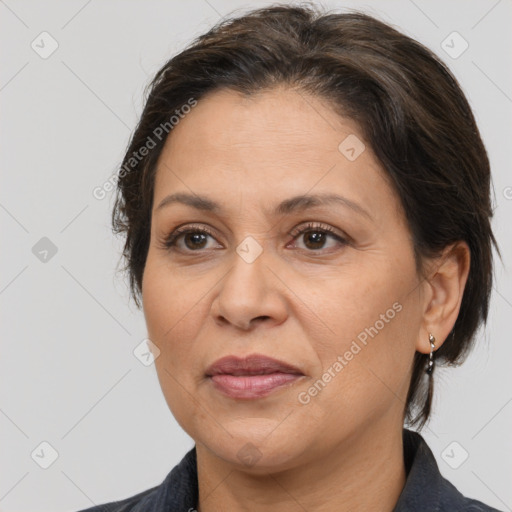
x: 293, y: 204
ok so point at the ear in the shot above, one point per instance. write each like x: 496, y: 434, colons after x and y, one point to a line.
x: 444, y: 289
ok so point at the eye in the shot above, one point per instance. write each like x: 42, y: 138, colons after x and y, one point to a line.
x: 317, y: 235
x: 195, y: 238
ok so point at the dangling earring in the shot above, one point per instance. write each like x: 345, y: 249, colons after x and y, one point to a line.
x: 430, y: 366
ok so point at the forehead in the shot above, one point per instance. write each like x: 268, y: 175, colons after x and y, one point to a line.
x: 281, y: 120
x: 275, y: 143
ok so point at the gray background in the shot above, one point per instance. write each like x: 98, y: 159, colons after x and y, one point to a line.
x: 68, y: 373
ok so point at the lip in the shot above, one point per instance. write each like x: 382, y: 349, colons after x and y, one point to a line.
x: 251, y: 377
x: 254, y: 364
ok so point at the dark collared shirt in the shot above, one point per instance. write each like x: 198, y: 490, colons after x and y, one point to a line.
x: 425, y: 490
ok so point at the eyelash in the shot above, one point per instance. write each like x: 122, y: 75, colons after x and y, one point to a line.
x: 169, y: 242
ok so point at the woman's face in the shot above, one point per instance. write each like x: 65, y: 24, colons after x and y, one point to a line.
x: 343, y: 307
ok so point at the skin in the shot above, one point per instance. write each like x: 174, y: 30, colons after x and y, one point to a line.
x: 298, y: 301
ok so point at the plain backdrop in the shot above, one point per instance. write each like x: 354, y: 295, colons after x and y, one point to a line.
x: 72, y: 75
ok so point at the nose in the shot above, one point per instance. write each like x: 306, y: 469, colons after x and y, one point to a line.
x: 249, y: 294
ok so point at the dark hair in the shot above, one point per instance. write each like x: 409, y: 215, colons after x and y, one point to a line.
x: 410, y: 110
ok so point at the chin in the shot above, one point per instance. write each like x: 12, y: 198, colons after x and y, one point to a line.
x: 258, y: 450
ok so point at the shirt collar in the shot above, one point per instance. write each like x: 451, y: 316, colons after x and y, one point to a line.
x: 421, y: 492
x: 424, y: 482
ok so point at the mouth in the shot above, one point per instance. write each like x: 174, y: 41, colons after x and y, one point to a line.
x: 251, y: 377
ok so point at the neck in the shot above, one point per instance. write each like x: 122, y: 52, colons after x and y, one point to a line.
x: 364, y: 472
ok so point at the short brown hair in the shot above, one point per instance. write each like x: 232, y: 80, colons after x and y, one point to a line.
x: 409, y: 107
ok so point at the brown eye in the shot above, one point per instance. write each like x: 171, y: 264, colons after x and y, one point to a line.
x: 194, y: 239
x: 316, y: 236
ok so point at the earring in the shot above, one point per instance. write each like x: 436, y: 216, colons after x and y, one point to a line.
x: 430, y: 366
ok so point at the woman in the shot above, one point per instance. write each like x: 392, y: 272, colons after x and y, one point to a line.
x: 309, y: 243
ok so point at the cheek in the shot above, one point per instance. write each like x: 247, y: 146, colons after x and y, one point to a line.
x: 168, y: 296
x: 364, y: 374
x: 352, y: 303
x: 370, y: 319
x: 170, y: 306
x: 172, y: 311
